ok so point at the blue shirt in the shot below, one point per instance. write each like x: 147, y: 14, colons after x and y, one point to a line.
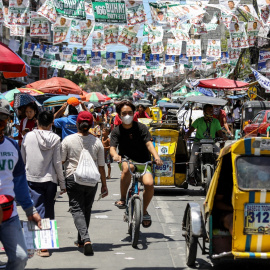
x: 67, y: 124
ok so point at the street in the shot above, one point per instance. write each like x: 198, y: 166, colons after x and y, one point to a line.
x: 160, y: 247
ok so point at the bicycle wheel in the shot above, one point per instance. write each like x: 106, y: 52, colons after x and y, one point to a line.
x: 135, y: 221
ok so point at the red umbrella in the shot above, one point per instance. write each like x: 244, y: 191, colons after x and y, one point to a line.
x: 56, y: 85
x: 96, y: 97
x: 9, y: 60
x: 222, y: 83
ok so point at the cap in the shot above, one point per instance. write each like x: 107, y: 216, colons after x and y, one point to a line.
x: 85, y: 117
x: 4, y: 106
x: 73, y: 101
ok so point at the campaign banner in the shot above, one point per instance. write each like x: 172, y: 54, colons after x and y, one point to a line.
x: 138, y: 72
x: 57, y: 64
x: 111, y: 34
x: 95, y: 58
x: 59, y: 34
x: 70, y: 67
x: 40, y: 50
x: 153, y: 61
x: 230, y: 5
x: 53, y: 49
x: 19, y: 16
x: 238, y: 35
x: 135, y: 12
x: 264, y: 61
x: 110, y: 11
x: 48, y: 11
x: 252, y: 33
x: 136, y: 47
x: 87, y: 28
x: 140, y: 61
x: 39, y: 25
x: 81, y: 55
x: 193, y: 47
x: 155, y: 34
x: 262, y: 80
x: 264, y: 10
x: 206, y: 92
x: 28, y: 49
x: 174, y: 47
x: 128, y: 35
x: 225, y: 58
x: 75, y: 36
x: 157, y: 48
x: 43, y: 73
x: 197, y: 60
x: 125, y: 61
x: 158, y: 72
x: 180, y: 34
x: 125, y: 74
x: 110, y: 59
x: 213, y: 48
x: 98, y: 42
x: 66, y: 54
x: 183, y: 59
x: 249, y: 11
x: 169, y: 60
x: 1, y: 12
x: 71, y: 8
x: 89, y: 8
x: 35, y: 62
x: 152, y: 92
x: 234, y: 53
x: 17, y: 31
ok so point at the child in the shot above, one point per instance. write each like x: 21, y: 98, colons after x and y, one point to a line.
x: 106, y: 144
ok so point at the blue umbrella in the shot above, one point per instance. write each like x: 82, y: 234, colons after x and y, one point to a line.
x: 22, y: 99
x: 55, y: 101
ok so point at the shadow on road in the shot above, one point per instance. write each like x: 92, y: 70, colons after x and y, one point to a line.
x: 178, y: 191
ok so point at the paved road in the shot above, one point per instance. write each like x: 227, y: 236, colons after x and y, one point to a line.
x: 160, y: 247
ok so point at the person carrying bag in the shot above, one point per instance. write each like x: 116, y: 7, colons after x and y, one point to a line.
x: 83, y: 155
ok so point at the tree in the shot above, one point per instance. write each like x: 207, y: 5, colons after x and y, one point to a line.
x: 147, y: 50
x: 78, y: 78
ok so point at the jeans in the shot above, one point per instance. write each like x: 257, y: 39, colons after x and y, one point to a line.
x: 81, y: 199
x: 43, y: 195
x: 12, y: 238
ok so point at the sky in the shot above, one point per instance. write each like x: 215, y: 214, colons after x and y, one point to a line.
x: 114, y: 48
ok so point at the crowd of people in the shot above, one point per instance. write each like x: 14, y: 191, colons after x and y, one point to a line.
x: 62, y: 144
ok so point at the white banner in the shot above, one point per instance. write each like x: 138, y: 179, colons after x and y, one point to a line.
x: 262, y: 80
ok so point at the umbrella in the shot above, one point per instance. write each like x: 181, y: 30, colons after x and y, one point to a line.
x: 56, y: 101
x: 22, y: 99
x: 195, y: 93
x: 56, y: 85
x: 96, y: 97
x: 161, y: 101
x: 165, y: 99
x: 9, y: 60
x: 32, y: 92
x: 222, y: 83
x: 2, y: 97
x: 113, y: 95
x: 10, y: 94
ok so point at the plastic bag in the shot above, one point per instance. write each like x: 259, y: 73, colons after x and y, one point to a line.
x: 87, y: 173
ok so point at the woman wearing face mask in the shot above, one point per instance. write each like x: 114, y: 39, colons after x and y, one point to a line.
x: 29, y: 122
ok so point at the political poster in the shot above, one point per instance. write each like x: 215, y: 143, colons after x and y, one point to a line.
x: 174, y: 47
x: 75, y: 36
x: 197, y: 61
x: 213, y: 48
x: 183, y: 59
x: 39, y: 25
x: 59, y: 34
x: 89, y: 8
x: 140, y: 61
x: 193, y: 47
x: 135, y: 12
x: 71, y: 9
x: 180, y: 34
x: 153, y: 61
x: 155, y: 34
x: 111, y: 34
x: 158, y: 72
x: 110, y: 59
x: 136, y: 47
x: 157, y: 48
x: 138, y: 72
x: 81, y: 55
x: 169, y: 60
x: 125, y: 74
x: 249, y: 11
x: 87, y: 28
x: 62, y: 22
x: 48, y: 11
x: 234, y: 53
x: 230, y: 5
x: 28, y: 49
x: 98, y: 42
x: 264, y: 10
x: 17, y: 31
x: 238, y: 35
x: 66, y: 54
x: 110, y: 12
x: 1, y: 12
x: 264, y: 62
x: 40, y: 50
x: 225, y: 58
x: 252, y: 33
x: 19, y: 14
x: 127, y: 35
x: 125, y: 61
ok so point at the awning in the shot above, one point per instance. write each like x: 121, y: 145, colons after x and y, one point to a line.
x: 223, y: 83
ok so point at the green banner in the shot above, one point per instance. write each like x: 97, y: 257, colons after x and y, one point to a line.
x: 35, y: 62
x: 71, y: 8
x: 110, y: 11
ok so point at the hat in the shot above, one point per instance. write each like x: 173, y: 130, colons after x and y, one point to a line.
x: 85, y: 117
x: 73, y: 101
x: 4, y: 106
x: 90, y: 105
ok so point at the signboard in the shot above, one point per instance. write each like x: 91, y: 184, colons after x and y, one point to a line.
x: 43, y: 72
x: 252, y: 92
x: 110, y: 11
x: 35, y: 62
x: 71, y: 9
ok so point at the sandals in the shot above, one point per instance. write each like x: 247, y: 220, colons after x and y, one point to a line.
x: 147, y: 217
x: 121, y: 204
x: 43, y: 253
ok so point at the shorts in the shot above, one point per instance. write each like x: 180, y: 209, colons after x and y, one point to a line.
x: 108, y: 157
x: 139, y: 168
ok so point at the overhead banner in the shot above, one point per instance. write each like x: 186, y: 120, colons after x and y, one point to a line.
x: 262, y: 80
x: 71, y: 9
x: 110, y: 11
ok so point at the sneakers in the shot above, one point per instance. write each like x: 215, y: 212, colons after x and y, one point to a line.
x: 88, y: 249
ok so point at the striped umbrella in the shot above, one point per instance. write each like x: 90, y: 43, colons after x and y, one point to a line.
x: 96, y: 97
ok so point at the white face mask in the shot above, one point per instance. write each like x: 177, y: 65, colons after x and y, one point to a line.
x: 127, y: 119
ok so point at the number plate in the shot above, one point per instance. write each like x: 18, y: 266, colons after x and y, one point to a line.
x: 257, y: 218
x: 164, y: 170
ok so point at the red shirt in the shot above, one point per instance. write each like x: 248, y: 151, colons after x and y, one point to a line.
x: 220, y: 117
x: 143, y: 115
x: 118, y: 121
x: 29, y: 124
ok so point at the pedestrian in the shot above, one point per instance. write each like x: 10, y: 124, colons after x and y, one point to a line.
x: 13, y: 184
x: 141, y: 113
x: 29, y: 122
x: 42, y: 157
x: 106, y: 144
x: 236, y: 114
x: 81, y: 197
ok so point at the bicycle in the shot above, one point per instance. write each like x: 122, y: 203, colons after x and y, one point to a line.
x: 134, y: 202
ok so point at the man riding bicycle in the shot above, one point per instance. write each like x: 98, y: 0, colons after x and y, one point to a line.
x: 206, y: 127
x: 134, y: 141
